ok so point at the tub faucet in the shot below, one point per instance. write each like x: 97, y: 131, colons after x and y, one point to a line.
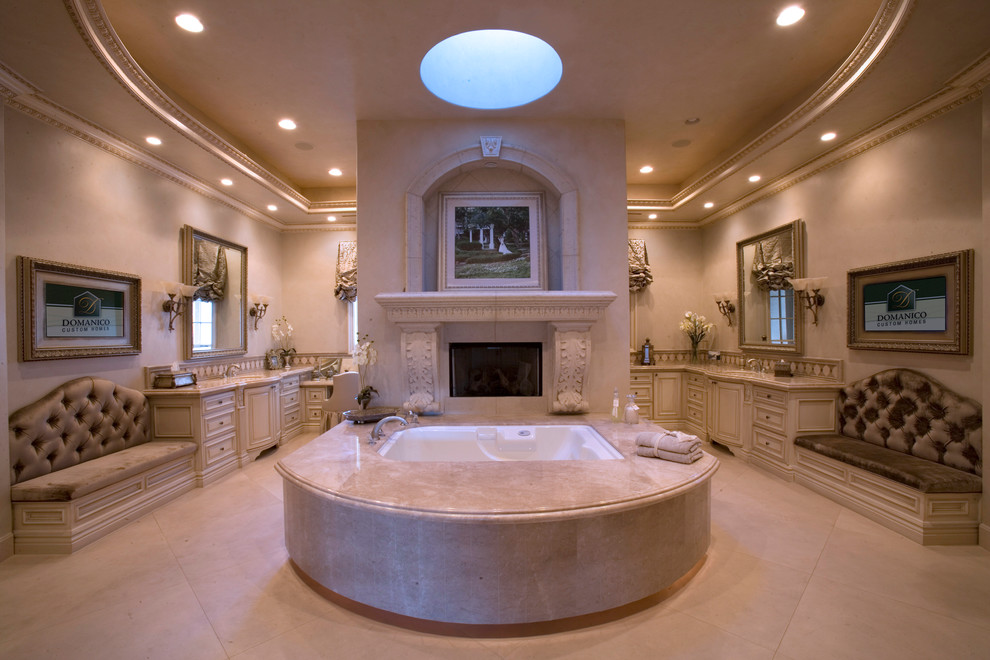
x: 376, y: 433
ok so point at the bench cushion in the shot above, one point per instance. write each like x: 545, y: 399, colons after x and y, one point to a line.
x: 79, y: 480
x: 918, y: 473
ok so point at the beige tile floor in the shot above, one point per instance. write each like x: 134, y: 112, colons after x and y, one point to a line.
x: 789, y: 575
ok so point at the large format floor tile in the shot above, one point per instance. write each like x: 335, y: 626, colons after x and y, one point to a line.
x: 789, y: 576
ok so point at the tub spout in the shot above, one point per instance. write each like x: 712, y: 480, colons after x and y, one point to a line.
x: 376, y: 433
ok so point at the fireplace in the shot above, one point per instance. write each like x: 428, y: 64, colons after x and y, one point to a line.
x: 496, y: 369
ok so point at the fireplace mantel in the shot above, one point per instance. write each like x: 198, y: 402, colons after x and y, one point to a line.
x: 488, y: 306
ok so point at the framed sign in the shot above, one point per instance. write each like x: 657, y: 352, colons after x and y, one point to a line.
x: 491, y: 240
x: 67, y: 311
x: 923, y: 305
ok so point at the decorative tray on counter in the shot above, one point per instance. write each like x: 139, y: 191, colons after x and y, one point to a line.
x: 369, y: 414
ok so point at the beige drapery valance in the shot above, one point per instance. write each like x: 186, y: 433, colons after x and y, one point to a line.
x: 346, y: 288
x: 210, y: 274
x: 771, y: 266
x: 640, y: 275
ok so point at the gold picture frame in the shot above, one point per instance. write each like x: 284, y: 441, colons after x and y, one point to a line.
x: 66, y: 311
x: 923, y: 305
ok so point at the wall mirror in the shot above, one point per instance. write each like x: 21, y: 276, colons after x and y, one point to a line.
x: 215, y: 321
x: 769, y: 319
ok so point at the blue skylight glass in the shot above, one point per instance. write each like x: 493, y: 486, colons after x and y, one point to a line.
x: 491, y: 69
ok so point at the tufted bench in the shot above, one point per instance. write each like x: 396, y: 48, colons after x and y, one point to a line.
x: 82, y: 465
x: 908, y: 455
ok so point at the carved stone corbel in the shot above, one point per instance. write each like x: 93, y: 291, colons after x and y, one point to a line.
x: 420, y: 343
x: 572, y: 352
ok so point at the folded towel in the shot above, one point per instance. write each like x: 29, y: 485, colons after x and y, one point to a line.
x: 671, y: 441
x: 669, y: 455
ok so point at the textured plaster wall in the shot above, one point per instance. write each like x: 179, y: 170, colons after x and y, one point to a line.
x: 71, y: 202
x: 394, y: 154
x: 6, y: 536
x: 984, y: 320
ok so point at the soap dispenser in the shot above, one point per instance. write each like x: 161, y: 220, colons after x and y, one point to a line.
x: 647, y: 353
x: 631, y: 414
x: 615, y: 405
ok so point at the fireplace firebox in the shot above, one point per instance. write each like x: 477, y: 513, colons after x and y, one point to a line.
x: 496, y: 369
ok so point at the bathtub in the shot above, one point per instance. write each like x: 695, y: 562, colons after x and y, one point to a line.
x: 498, y: 443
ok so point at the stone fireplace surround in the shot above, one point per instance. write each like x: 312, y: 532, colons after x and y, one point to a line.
x: 566, y: 318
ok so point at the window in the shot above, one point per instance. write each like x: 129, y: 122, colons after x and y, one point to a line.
x: 203, y: 326
x: 781, y: 316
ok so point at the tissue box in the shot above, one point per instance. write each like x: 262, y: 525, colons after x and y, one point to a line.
x: 175, y: 380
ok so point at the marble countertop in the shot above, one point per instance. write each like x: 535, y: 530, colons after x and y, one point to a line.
x: 241, y: 379
x: 741, y: 375
x: 342, y: 464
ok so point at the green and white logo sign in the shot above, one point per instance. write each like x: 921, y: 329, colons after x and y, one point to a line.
x: 905, y: 306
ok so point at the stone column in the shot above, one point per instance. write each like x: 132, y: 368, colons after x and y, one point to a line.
x: 572, y: 353
x: 420, y: 343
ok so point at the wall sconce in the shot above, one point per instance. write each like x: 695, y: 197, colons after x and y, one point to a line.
x: 725, y: 306
x: 808, y: 289
x: 259, y: 305
x: 176, y: 303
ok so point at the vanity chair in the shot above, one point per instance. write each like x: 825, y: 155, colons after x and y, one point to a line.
x: 345, y: 388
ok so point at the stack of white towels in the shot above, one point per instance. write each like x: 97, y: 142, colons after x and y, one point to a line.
x: 669, y: 445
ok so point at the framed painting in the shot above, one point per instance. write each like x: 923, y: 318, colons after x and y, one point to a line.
x: 923, y: 305
x: 492, y: 241
x: 67, y: 311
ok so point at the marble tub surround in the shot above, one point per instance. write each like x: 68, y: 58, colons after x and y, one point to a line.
x: 493, y: 543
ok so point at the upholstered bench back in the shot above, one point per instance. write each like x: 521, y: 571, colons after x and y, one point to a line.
x: 909, y: 412
x: 81, y: 420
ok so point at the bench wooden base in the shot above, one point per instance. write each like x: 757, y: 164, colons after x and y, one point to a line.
x: 64, y: 527
x: 926, y: 518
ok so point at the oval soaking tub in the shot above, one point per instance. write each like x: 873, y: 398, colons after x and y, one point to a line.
x: 492, y: 543
x: 499, y: 443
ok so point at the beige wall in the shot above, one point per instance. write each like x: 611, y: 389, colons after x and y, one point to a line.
x: 6, y: 537
x: 394, y: 154
x: 984, y: 319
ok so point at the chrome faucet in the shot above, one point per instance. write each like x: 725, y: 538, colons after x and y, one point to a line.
x: 752, y: 364
x: 231, y: 371
x: 376, y: 433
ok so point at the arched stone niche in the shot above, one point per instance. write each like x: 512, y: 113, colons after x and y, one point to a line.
x: 514, y: 170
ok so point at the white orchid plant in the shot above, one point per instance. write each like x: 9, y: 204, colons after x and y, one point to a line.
x: 696, y: 327
x: 365, y: 356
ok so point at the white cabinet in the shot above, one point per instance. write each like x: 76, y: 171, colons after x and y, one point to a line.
x: 261, y: 417
x: 290, y: 408
x: 780, y: 415
x: 314, y: 394
x: 667, y: 398
x: 696, y: 404
x: 209, y: 420
x: 640, y: 384
x: 726, y: 413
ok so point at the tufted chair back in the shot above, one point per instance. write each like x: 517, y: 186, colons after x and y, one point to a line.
x: 81, y: 420
x: 907, y: 411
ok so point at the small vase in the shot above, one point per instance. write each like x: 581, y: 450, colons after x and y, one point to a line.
x: 695, y: 354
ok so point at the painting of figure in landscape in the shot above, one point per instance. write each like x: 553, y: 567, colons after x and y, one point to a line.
x: 492, y: 242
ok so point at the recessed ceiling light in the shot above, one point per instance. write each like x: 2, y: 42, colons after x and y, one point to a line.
x: 491, y: 69
x: 690, y: 121
x: 709, y: 205
x: 226, y: 182
x: 189, y: 23
x: 828, y: 136
x: 653, y: 216
x: 272, y: 207
x: 646, y: 169
x: 790, y: 15
x: 335, y: 172
x: 287, y: 124
x: 331, y: 218
x: 151, y: 139
x: 754, y: 178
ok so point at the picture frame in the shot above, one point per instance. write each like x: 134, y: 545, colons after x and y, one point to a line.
x: 66, y: 311
x: 491, y: 241
x: 923, y: 305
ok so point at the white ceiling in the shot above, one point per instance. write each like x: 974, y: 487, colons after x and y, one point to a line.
x: 763, y: 93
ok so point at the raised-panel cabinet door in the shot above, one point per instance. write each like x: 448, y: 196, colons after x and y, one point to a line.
x: 262, y: 416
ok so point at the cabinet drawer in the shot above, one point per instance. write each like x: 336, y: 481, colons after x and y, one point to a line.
x: 316, y: 394
x: 292, y: 419
x: 217, y: 402
x: 695, y: 379
x: 695, y: 394
x: 770, y: 417
x: 290, y: 383
x: 769, y: 443
x: 220, y: 449
x: 773, y: 396
x: 219, y: 424
x: 696, y: 415
x: 636, y: 379
x: 314, y: 414
x: 290, y: 398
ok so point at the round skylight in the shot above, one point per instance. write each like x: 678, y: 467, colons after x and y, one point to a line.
x: 491, y: 69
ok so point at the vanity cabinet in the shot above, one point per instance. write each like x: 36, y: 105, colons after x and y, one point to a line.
x: 780, y: 415
x: 696, y: 404
x: 290, y: 408
x: 314, y: 393
x: 726, y: 413
x: 640, y: 384
x: 667, y: 394
x: 261, y: 417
